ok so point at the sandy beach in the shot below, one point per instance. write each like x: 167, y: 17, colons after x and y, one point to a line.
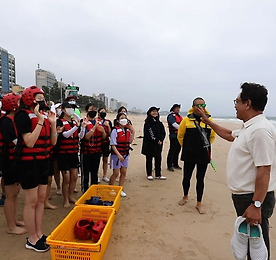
x: 150, y: 224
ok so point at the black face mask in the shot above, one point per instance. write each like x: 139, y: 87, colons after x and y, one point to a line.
x: 92, y: 114
x: 42, y: 105
x: 102, y: 115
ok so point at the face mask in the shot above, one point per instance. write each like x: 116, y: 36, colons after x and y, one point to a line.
x: 123, y: 121
x: 69, y: 111
x: 72, y: 102
x: 58, y: 111
x: 102, y: 115
x: 92, y: 114
x: 42, y: 104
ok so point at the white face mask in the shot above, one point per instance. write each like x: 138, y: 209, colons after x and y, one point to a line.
x: 69, y: 111
x: 58, y: 111
x: 123, y: 121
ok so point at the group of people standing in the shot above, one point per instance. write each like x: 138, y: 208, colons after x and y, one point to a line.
x: 38, y: 141
x: 251, y: 163
x: 190, y: 133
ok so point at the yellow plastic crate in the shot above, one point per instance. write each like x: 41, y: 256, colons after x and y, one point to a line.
x: 106, y: 192
x: 64, y: 245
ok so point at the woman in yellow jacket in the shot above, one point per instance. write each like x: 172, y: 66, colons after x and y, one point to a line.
x: 195, y: 137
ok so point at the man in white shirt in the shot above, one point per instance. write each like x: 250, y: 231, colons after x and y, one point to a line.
x: 251, y: 163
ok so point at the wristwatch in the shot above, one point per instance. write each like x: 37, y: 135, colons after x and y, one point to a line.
x: 256, y: 203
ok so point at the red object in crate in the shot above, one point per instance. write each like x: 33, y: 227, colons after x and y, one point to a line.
x: 97, y: 230
x: 82, y: 229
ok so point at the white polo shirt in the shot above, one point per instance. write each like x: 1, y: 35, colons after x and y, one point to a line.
x: 254, y: 145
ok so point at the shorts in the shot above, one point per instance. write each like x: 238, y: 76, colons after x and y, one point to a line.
x: 68, y: 161
x: 34, y: 173
x: 51, y: 166
x: 115, y: 163
x: 10, y: 173
x: 106, y: 149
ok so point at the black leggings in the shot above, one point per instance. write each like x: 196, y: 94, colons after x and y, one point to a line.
x: 90, y: 166
x: 200, y: 174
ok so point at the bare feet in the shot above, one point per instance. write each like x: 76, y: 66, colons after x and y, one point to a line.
x: 17, y: 231
x: 72, y: 200
x: 200, y: 209
x: 59, y: 192
x: 66, y: 205
x: 19, y: 223
x: 48, y: 205
x: 183, y: 201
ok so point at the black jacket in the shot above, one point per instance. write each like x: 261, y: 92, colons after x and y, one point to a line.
x: 154, y: 131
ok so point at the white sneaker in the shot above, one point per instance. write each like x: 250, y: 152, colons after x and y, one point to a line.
x: 150, y: 178
x: 99, y: 180
x: 105, y: 179
x: 123, y: 194
x: 240, y: 238
x: 257, y: 247
x: 161, y: 178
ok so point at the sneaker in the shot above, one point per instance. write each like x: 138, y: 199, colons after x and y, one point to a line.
x: 99, y: 180
x: 171, y: 169
x: 240, y: 238
x: 257, y: 247
x: 161, y: 177
x: 123, y: 194
x: 43, y: 238
x: 150, y: 177
x: 39, y: 246
x: 105, y: 179
x: 177, y: 167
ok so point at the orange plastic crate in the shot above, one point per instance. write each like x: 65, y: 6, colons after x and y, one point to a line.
x: 64, y: 245
x: 106, y: 192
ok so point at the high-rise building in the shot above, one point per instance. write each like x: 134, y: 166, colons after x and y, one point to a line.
x: 102, y: 97
x: 44, y: 78
x: 113, y: 104
x: 7, y: 70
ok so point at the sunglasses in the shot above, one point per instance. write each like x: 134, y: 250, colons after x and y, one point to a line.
x: 201, y: 105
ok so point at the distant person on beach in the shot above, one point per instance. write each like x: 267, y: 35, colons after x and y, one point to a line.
x: 120, y: 140
x: 154, y: 135
x: 36, y: 134
x: 195, y: 137
x: 91, y: 149
x: 251, y: 173
x: 10, y: 170
x: 106, y: 123
x: 123, y: 109
x: 174, y: 119
x: 68, y: 149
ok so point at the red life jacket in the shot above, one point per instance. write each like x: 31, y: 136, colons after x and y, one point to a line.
x: 106, y: 128
x: 95, y: 142
x: 70, y: 144
x: 178, y: 119
x: 42, y: 147
x: 123, y: 139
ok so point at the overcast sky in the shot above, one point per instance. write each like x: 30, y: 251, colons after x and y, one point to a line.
x: 147, y: 52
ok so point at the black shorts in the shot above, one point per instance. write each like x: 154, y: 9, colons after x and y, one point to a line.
x: 106, y: 149
x: 10, y: 173
x: 34, y: 173
x: 68, y: 161
x: 51, y: 166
